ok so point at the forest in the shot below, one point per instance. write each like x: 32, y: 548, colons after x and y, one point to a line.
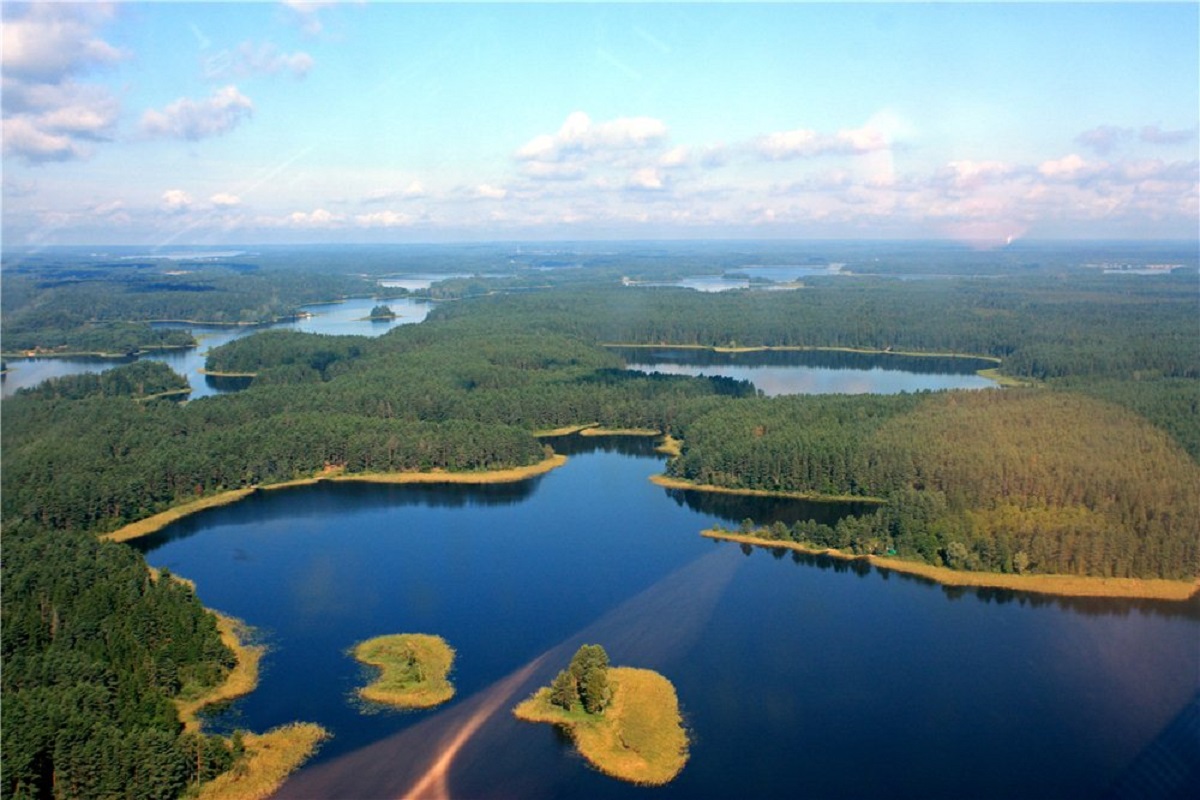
x: 1090, y: 469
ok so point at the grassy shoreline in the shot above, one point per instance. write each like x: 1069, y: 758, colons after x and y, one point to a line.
x: 240, y: 681
x: 413, y: 669
x: 270, y: 758
x: 156, y: 522
x: 1056, y: 585
x: 639, y: 738
x: 667, y: 482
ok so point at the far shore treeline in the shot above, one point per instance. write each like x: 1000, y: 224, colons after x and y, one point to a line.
x: 1090, y: 470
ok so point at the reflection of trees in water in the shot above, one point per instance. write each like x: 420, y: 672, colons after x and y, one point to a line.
x: 765, y: 510
x: 829, y: 359
x: 1088, y: 606
x: 575, y: 444
x: 338, y: 497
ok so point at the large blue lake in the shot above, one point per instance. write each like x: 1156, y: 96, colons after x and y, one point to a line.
x: 798, y: 676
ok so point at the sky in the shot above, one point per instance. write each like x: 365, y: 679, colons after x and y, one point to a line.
x: 241, y: 123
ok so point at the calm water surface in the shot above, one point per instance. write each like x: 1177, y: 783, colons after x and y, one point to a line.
x: 347, y: 317
x: 797, y: 676
x: 777, y: 372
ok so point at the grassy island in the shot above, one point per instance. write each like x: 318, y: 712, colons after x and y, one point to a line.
x: 624, y: 721
x: 413, y: 668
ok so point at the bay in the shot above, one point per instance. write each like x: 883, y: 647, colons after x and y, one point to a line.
x: 798, y: 676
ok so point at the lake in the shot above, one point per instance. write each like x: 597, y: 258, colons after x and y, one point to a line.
x: 776, y: 372
x: 798, y: 676
x: 345, y: 317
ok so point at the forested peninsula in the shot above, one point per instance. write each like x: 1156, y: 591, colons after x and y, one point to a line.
x: 1089, y: 471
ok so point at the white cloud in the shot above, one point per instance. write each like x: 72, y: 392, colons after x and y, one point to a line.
x: 647, y: 179
x: 307, y: 13
x: 176, y: 200
x: 415, y: 189
x: 319, y: 218
x: 53, y: 40
x: 807, y: 143
x: 1065, y: 168
x: 23, y: 137
x: 199, y: 119
x: 968, y: 174
x: 579, y: 137
x: 249, y: 60
x: 225, y: 200
x: 486, y: 191
x: 48, y: 116
x: 385, y: 219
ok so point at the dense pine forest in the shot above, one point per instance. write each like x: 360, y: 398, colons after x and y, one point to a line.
x: 1091, y: 468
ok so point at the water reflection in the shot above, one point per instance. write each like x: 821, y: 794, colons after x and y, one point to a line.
x: 787, y: 675
x: 766, y: 510
x: 1088, y: 606
x: 779, y: 372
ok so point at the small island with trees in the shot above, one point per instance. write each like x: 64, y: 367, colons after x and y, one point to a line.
x: 624, y: 721
x: 382, y: 313
x: 414, y: 669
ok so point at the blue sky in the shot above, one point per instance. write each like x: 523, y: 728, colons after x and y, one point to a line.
x: 158, y: 123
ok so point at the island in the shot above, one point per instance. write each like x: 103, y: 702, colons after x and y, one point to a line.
x: 624, y: 721
x: 413, y: 668
x: 382, y: 313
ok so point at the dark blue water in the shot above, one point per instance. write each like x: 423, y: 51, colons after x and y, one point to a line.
x: 798, y: 676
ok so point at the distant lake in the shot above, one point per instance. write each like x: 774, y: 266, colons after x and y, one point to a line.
x: 798, y: 676
x: 778, y: 372
x: 345, y: 317
x: 760, y: 277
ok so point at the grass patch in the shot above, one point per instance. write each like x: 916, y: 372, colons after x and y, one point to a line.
x: 413, y: 668
x: 639, y: 738
x: 270, y: 757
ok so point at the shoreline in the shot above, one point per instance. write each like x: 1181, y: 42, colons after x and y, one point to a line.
x: 639, y: 739
x: 803, y: 348
x: 240, y: 681
x: 667, y: 482
x: 31, y: 355
x: 155, y: 523
x: 218, y: 374
x: 1054, y: 585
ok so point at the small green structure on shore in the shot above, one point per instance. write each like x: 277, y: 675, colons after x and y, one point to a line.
x: 414, y: 669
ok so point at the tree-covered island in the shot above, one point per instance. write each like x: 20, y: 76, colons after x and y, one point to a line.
x: 382, y: 313
x: 624, y: 721
x: 413, y: 669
